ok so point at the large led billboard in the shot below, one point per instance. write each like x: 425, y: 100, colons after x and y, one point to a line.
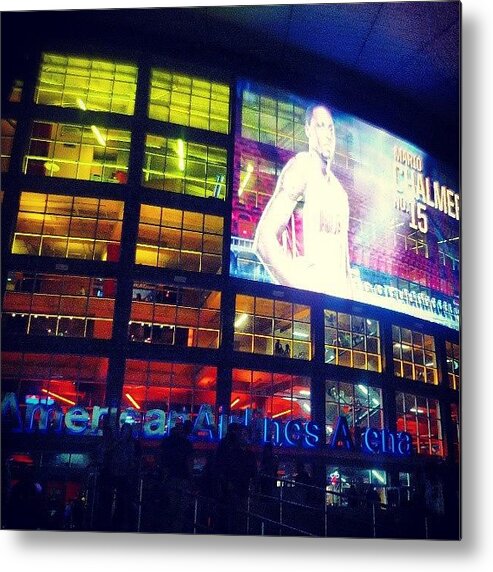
x: 325, y: 202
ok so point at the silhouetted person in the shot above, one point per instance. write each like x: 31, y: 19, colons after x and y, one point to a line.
x: 177, y: 471
x: 236, y: 468
x: 26, y: 507
x: 372, y: 497
x: 125, y: 460
x: 278, y: 348
x: 352, y: 497
x: 303, y: 480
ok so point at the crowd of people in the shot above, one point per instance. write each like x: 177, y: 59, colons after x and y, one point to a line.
x: 232, y: 472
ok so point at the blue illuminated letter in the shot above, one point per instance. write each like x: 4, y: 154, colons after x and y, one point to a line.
x: 292, y: 431
x: 370, y: 440
x: 204, y: 423
x: 269, y: 424
x: 342, y: 435
x: 312, y: 434
x: 154, y: 424
x: 76, y: 420
x: 405, y: 443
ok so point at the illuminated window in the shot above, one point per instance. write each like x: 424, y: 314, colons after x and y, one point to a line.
x: 273, y: 121
x: 85, y: 152
x: 68, y: 227
x: 454, y: 415
x: 341, y: 478
x: 179, y: 166
x: 360, y: 404
x: 51, y: 305
x: 83, y: 83
x: 275, y: 395
x: 189, y: 101
x: 414, y: 355
x: 453, y: 364
x: 8, y: 132
x: 164, y: 314
x: 272, y: 327
x: 177, y: 388
x: 421, y: 418
x: 172, y: 238
x: 352, y: 341
x: 54, y: 379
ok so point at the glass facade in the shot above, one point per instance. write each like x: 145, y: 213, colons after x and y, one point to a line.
x: 84, y: 152
x: 172, y: 238
x: 360, y: 404
x: 272, y: 327
x: 54, y: 305
x: 352, y: 341
x: 414, y: 355
x: 180, y: 166
x: 165, y: 314
x: 276, y: 395
x: 177, y: 387
x: 268, y: 120
x: 86, y: 84
x: 65, y: 380
x: 421, y: 417
x: 190, y: 101
x: 68, y: 227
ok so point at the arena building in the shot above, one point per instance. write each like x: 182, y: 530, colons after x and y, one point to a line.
x: 192, y: 233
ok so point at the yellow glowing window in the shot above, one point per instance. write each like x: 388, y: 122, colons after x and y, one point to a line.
x: 272, y: 327
x: 185, y: 167
x: 68, y: 227
x: 165, y: 314
x: 63, y: 306
x: 173, y: 238
x: 352, y: 341
x: 189, y: 101
x: 8, y: 132
x: 87, y: 152
x: 86, y: 84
